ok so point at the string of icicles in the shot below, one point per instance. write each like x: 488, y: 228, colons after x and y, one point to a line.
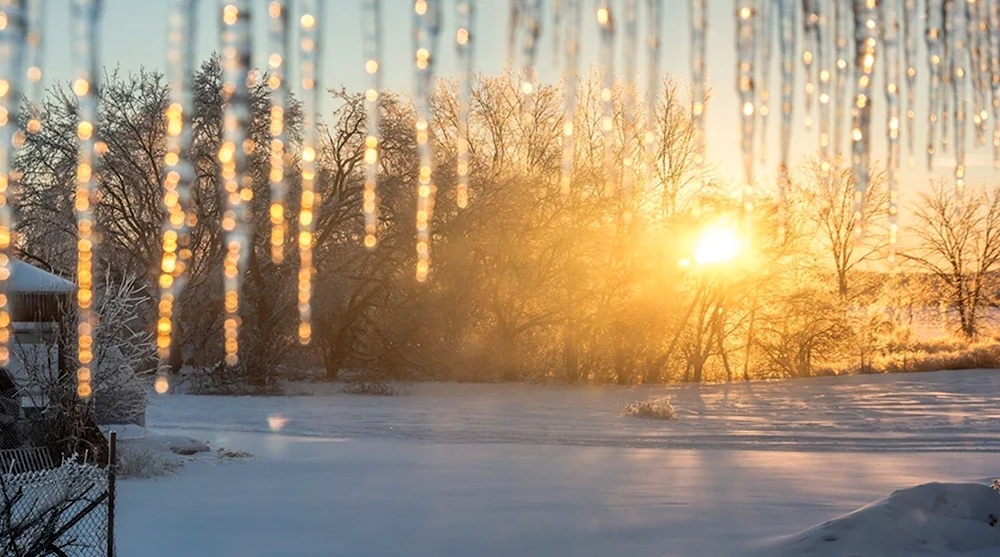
x: 842, y: 47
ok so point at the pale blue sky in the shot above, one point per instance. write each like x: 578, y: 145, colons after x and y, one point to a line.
x: 134, y: 36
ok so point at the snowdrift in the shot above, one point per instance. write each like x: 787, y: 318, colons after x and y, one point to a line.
x: 139, y: 437
x: 934, y: 518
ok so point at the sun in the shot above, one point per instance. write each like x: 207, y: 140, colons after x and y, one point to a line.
x: 716, y: 245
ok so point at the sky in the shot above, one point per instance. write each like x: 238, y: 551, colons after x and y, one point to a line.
x: 134, y: 36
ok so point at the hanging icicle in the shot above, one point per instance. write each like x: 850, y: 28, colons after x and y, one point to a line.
x: 178, y: 175
x: 310, y: 60
x: 957, y: 56
x: 654, y: 40
x: 699, y: 50
x: 890, y: 42
x: 631, y: 51
x: 745, y: 88
x: 844, y: 29
x: 426, y: 25
x: 978, y: 39
x: 557, y: 23
x: 994, y: 16
x: 572, y: 72
x: 464, y: 58
x: 786, y: 20
x: 277, y: 64
x: 910, y: 29
x: 529, y: 49
x: 958, y: 81
x: 823, y: 70
x: 35, y: 56
x: 865, y: 35
x: 513, y: 25
x: 947, y: 72
x: 765, y: 21
x: 934, y: 55
x: 810, y: 18
x: 11, y: 70
x: 372, y: 29
x: 234, y: 167
x: 86, y: 30
x: 606, y: 27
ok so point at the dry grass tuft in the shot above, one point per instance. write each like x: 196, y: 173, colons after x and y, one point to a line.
x: 653, y: 409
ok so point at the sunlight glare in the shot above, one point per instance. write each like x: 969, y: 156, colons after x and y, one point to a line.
x: 276, y: 422
x: 716, y: 245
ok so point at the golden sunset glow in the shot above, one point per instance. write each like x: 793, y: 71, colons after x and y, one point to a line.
x: 717, y: 245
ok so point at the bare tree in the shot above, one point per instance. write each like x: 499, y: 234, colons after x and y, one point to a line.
x: 827, y: 202
x: 958, y: 241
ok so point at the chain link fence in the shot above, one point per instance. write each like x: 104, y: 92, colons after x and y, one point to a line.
x: 66, y: 510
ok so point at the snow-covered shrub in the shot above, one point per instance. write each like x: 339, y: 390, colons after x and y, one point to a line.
x: 138, y: 460
x: 653, y: 408
x: 231, y: 454
x: 369, y: 388
x: 124, y: 358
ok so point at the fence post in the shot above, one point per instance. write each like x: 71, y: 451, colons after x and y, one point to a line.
x: 112, y: 469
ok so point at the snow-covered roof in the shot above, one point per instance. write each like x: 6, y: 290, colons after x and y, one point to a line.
x: 28, y: 279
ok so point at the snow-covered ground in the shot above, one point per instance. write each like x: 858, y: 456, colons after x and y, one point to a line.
x: 530, y: 470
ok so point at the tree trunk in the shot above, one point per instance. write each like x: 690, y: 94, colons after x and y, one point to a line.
x: 571, y: 358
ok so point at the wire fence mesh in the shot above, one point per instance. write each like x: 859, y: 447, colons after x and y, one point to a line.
x: 64, y: 511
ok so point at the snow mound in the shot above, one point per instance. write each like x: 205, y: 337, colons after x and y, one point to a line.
x: 138, y: 436
x: 933, y: 518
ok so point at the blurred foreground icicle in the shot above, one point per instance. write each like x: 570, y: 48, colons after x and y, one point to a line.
x: 572, y: 73
x: 910, y: 29
x: 866, y: 39
x: 34, y: 44
x: 532, y: 18
x: 745, y: 46
x: 786, y: 20
x: 890, y: 40
x: 178, y: 175
x: 654, y: 41
x: 371, y: 28
x: 699, y: 25
x: 311, y: 200
x: 994, y: 26
x: 426, y: 26
x: 606, y: 30
x: 86, y: 31
x: 824, y: 73
x: 463, y: 54
x: 11, y: 70
x: 765, y: 22
x: 810, y: 19
x: 277, y: 66
x: 957, y: 53
x: 233, y: 153
x: 631, y: 48
x: 933, y: 39
x: 843, y: 23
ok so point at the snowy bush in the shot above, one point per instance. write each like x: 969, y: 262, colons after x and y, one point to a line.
x: 124, y: 358
x: 141, y: 462
x: 369, y: 388
x: 653, y: 408
x: 232, y: 454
